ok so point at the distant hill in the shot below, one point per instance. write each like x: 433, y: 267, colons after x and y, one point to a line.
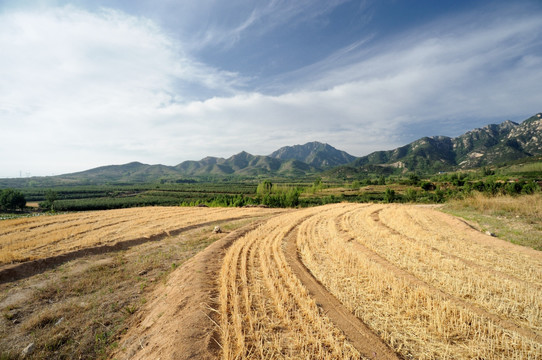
x: 492, y: 144
x: 244, y: 164
x: 295, y: 160
x: 315, y: 154
x: 321, y: 157
x: 131, y: 172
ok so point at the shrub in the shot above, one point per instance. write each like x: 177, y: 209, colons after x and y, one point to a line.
x: 389, y: 195
x: 413, y: 179
x: 355, y: 185
x: 427, y: 186
x: 411, y: 195
x: 513, y: 188
x: 530, y: 188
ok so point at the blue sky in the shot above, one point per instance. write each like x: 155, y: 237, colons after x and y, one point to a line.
x: 91, y: 83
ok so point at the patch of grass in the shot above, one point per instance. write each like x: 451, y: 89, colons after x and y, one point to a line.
x: 41, y: 321
x: 516, y: 219
x: 7, y: 356
x: 130, y: 309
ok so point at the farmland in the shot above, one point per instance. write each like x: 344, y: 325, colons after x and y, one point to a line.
x: 341, y: 281
x: 45, y: 236
x: 71, y: 283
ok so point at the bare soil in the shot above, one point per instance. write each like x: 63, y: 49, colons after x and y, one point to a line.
x: 181, y: 323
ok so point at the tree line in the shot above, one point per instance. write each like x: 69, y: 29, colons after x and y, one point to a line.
x: 11, y: 200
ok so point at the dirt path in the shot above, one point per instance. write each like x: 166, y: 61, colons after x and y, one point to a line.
x: 178, y: 323
x: 359, y: 335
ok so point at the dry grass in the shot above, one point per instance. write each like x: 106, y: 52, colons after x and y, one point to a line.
x: 265, y: 311
x: 525, y: 205
x: 429, y: 285
x: 33, y: 238
x: 517, y: 219
x: 426, y: 283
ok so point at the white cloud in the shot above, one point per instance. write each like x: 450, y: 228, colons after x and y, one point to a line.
x: 456, y: 69
x: 435, y: 80
x: 76, y: 84
x: 85, y: 89
x: 229, y: 22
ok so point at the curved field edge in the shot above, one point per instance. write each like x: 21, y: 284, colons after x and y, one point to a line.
x: 264, y: 310
x: 357, y: 333
x: 406, y: 272
x: 41, y: 237
x: 517, y: 219
x: 178, y: 322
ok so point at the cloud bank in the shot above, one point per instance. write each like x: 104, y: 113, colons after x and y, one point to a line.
x: 81, y: 89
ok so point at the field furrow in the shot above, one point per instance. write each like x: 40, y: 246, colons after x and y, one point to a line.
x: 452, y: 236
x: 484, y: 288
x: 265, y: 311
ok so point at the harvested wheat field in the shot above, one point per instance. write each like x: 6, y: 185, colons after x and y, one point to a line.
x: 45, y: 236
x: 343, y: 281
x: 352, y: 281
x: 88, y: 275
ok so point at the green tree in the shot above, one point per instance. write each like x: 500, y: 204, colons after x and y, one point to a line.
x: 530, y: 188
x: 50, y: 197
x: 292, y: 198
x: 317, y: 185
x: 411, y: 195
x: 264, y: 187
x: 427, y: 186
x: 413, y: 179
x: 12, y: 199
x: 389, y: 195
x: 513, y: 188
x: 439, y: 196
x: 355, y: 185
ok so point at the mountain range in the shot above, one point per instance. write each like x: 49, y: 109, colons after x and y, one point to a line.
x: 291, y: 161
x: 490, y: 145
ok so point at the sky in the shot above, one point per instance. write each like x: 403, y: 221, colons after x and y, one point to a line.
x: 92, y: 83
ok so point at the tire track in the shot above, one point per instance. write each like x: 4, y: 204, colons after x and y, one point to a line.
x: 266, y: 312
x: 359, y: 334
